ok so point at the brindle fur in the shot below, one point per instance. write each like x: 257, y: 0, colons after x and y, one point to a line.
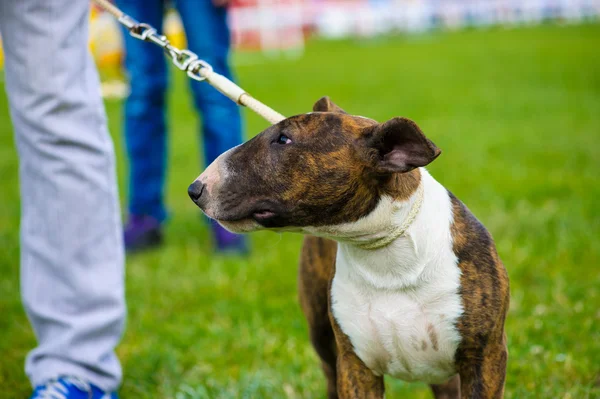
x: 482, y: 354
x: 316, y: 271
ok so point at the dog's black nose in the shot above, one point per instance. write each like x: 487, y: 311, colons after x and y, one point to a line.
x: 195, y: 190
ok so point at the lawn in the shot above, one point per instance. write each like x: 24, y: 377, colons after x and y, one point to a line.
x: 517, y: 115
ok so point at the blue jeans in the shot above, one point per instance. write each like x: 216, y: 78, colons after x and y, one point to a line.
x: 145, y: 128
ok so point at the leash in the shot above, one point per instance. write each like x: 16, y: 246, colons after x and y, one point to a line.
x: 189, y: 62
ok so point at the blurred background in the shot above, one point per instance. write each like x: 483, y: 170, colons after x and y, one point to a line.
x: 509, y: 90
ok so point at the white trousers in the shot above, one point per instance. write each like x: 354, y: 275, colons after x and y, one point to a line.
x: 72, y: 280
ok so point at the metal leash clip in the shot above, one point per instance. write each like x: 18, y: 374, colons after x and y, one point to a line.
x: 194, y: 68
x: 183, y: 58
x: 142, y: 31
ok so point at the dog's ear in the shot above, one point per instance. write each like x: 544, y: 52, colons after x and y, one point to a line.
x: 399, y: 146
x: 324, y: 104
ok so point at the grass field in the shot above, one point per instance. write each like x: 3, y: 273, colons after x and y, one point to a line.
x: 517, y: 115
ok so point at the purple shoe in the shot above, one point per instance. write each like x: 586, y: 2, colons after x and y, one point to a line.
x: 142, y: 232
x: 228, y: 242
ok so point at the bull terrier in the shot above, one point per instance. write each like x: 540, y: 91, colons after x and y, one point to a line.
x: 396, y: 276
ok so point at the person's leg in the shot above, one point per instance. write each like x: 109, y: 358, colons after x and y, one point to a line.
x: 145, y: 128
x: 208, y: 36
x: 71, y: 244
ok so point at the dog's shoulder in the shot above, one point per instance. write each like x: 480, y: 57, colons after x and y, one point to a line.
x: 483, y: 283
x: 472, y: 242
x: 474, y: 246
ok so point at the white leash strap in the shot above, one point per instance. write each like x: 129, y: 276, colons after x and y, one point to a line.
x: 237, y: 94
x: 189, y: 62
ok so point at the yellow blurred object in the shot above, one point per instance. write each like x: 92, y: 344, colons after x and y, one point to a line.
x: 106, y: 42
x: 174, y: 29
x: 1, y: 54
x: 107, y: 48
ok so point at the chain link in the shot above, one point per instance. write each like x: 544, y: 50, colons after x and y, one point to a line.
x: 185, y: 60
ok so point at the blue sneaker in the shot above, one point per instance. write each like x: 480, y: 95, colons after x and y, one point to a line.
x: 70, y: 388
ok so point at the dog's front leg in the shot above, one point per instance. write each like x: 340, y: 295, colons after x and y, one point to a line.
x: 355, y: 380
x: 482, y: 372
x: 448, y: 390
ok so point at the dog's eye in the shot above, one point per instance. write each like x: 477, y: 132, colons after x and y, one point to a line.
x: 283, y: 139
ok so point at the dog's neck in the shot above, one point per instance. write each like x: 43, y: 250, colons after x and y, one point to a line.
x: 395, y: 230
x: 396, y: 210
x: 407, y: 255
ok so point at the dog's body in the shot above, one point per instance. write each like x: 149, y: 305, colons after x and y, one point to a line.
x: 427, y: 307
x: 413, y: 288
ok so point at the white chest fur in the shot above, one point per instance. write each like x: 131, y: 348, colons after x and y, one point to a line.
x: 399, y: 304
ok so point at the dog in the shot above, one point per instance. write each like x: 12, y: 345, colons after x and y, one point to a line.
x: 396, y: 275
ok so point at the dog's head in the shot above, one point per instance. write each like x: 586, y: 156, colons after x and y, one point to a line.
x: 323, y: 168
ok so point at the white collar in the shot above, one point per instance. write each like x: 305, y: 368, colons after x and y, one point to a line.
x: 395, y: 231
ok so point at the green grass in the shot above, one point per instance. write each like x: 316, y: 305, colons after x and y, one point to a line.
x: 517, y: 114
